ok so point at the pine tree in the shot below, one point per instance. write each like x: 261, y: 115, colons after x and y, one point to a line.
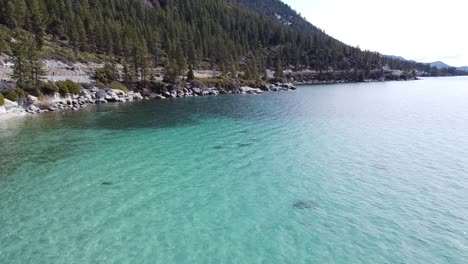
x: 37, y: 66
x: 21, y: 69
x: 172, y: 72
x: 190, y: 74
x: 279, y: 74
x: 37, y: 22
x: 127, y: 75
x: 209, y: 33
x: 8, y: 14
x: 20, y: 13
x: 28, y: 68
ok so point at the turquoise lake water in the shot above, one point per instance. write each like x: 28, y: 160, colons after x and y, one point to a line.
x: 383, y: 166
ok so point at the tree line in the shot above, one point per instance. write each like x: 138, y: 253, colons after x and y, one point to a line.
x: 176, y: 34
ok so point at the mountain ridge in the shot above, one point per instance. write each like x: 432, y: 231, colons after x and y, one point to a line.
x: 441, y: 65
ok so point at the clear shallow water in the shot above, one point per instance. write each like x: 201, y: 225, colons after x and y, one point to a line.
x: 214, y: 180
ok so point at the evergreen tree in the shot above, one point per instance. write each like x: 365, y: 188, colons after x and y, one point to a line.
x: 28, y: 68
x: 21, y: 69
x: 190, y: 74
x: 127, y: 75
x: 202, y: 33
x: 37, y: 22
x: 172, y: 72
x: 279, y: 74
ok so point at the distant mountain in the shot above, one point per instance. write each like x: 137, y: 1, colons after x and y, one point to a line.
x: 439, y: 65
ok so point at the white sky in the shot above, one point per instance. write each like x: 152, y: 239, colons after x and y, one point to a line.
x: 422, y: 30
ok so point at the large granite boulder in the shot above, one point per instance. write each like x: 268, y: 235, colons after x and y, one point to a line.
x: 31, y: 99
x: 85, y: 94
x: 101, y: 94
x: 197, y: 84
x: 137, y: 96
x: 33, y: 109
x: 197, y: 91
x: 265, y: 88
x: 250, y: 90
x: 10, y: 105
x: 118, y: 92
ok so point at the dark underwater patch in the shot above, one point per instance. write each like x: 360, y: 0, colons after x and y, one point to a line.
x: 380, y: 167
x: 305, y: 205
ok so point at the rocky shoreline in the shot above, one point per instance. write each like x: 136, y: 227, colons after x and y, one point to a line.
x: 31, y: 105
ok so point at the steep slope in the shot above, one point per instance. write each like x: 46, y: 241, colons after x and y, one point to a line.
x: 285, y: 15
x: 281, y: 12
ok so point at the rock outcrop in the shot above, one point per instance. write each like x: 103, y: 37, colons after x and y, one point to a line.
x: 94, y: 95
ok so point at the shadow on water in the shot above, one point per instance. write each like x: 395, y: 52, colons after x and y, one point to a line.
x: 40, y: 140
x: 51, y: 137
x: 168, y: 113
x: 163, y: 114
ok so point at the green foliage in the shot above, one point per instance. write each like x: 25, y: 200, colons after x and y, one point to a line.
x: 12, y: 96
x: 4, y: 47
x: 172, y: 72
x: 217, y: 34
x: 257, y: 83
x: 20, y: 92
x: 73, y: 87
x: 279, y: 74
x: 107, y: 74
x: 28, y: 67
x: 221, y: 82
x: 118, y: 86
x: 63, y: 88
x: 2, y: 100
x: 157, y: 86
x: 68, y: 86
x: 190, y: 74
x: 49, y: 88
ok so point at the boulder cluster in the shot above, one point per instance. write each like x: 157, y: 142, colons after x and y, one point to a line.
x: 193, y: 90
x: 94, y: 95
x: 86, y: 97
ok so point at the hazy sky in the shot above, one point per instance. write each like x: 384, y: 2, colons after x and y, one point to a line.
x: 422, y: 30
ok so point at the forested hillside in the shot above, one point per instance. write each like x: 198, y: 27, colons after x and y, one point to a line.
x: 216, y: 34
x: 280, y: 11
x: 285, y: 15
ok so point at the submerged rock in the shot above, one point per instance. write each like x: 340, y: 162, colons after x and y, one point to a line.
x: 305, y: 204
